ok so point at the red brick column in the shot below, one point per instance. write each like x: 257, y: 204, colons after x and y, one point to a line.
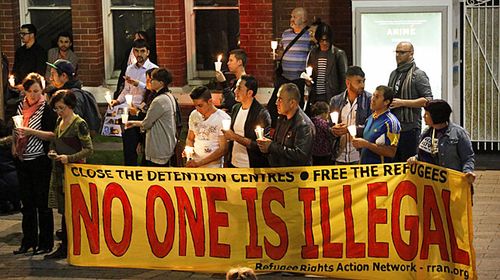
x: 341, y: 21
x: 9, y: 28
x: 256, y: 34
x: 171, y: 38
x: 88, y: 40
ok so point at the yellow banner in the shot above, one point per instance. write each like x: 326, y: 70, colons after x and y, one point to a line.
x: 390, y: 221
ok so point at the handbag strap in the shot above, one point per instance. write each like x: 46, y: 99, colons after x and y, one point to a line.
x: 293, y: 41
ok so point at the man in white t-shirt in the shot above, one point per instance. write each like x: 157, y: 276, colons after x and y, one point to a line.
x: 205, y: 130
x: 246, y: 117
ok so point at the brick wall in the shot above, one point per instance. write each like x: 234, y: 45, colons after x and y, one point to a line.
x: 9, y: 28
x: 88, y: 40
x: 171, y: 38
x: 256, y: 34
x: 341, y: 15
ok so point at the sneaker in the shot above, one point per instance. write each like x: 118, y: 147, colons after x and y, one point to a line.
x: 59, y: 253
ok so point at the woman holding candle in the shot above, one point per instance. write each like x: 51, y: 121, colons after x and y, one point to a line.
x: 329, y: 65
x: 159, y: 122
x: 29, y: 148
x: 72, y: 143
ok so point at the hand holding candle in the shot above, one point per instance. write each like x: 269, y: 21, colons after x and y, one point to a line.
x: 124, y: 115
x: 335, y: 117
x: 218, y: 63
x: 189, y: 152
x: 226, y: 124
x: 259, y: 131
x: 309, y: 71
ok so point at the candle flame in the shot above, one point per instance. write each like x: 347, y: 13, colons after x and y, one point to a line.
x: 219, y: 58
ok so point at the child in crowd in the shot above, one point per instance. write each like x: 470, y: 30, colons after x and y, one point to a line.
x: 322, y: 148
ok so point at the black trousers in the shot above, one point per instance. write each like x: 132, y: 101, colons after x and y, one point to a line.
x: 271, y: 104
x: 407, y: 145
x: 131, y: 138
x: 38, y: 220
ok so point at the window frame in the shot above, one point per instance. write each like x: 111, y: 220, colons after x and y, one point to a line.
x: 110, y: 75
x: 25, y: 14
x: 190, y: 17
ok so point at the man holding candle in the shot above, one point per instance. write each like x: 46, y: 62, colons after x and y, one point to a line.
x: 236, y: 64
x: 249, y: 118
x: 135, y: 86
x: 352, y: 107
x: 205, y: 131
x: 381, y: 133
x: 291, y: 144
x: 293, y: 60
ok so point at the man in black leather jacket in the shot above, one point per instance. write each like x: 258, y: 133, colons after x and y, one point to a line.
x: 245, y: 117
x: 292, y: 141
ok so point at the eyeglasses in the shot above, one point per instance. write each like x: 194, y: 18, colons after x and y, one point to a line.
x: 22, y: 34
x: 59, y: 109
x: 401, y: 52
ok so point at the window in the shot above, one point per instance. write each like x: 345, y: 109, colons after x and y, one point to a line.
x: 121, y: 19
x: 213, y: 28
x: 49, y: 16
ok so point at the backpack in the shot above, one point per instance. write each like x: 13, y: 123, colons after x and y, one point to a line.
x: 87, y: 108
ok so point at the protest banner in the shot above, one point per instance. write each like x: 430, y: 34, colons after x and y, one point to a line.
x: 390, y: 221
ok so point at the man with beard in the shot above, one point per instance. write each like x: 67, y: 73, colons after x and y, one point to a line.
x: 353, y: 106
x: 135, y: 85
x: 411, y: 92
x: 30, y: 57
x: 62, y: 51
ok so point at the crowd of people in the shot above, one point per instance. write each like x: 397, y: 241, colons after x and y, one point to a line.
x: 324, y: 117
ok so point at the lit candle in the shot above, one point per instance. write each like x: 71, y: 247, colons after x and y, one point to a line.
x: 124, y: 118
x: 107, y: 96
x: 226, y: 124
x: 43, y: 82
x: 352, y: 130
x: 218, y: 63
x: 259, y: 131
x: 12, y: 81
x: 189, y: 151
x: 335, y: 117
x: 128, y: 98
x: 274, y: 46
x: 18, y: 121
x: 309, y: 71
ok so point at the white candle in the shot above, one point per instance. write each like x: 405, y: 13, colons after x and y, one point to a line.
x: 12, y: 81
x: 259, y: 131
x: 128, y: 99
x: 335, y: 117
x: 226, y: 124
x: 309, y: 71
x: 218, y: 63
x: 352, y: 130
x: 124, y: 118
x: 18, y: 121
x: 274, y: 46
x: 43, y: 82
x: 107, y: 96
x: 189, y: 151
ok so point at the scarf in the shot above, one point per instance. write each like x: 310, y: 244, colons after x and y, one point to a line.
x: 28, y: 110
x: 401, y: 82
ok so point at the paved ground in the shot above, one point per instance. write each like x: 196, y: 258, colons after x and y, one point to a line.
x: 486, y: 213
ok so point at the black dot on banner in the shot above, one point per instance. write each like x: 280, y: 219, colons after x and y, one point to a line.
x: 304, y: 175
